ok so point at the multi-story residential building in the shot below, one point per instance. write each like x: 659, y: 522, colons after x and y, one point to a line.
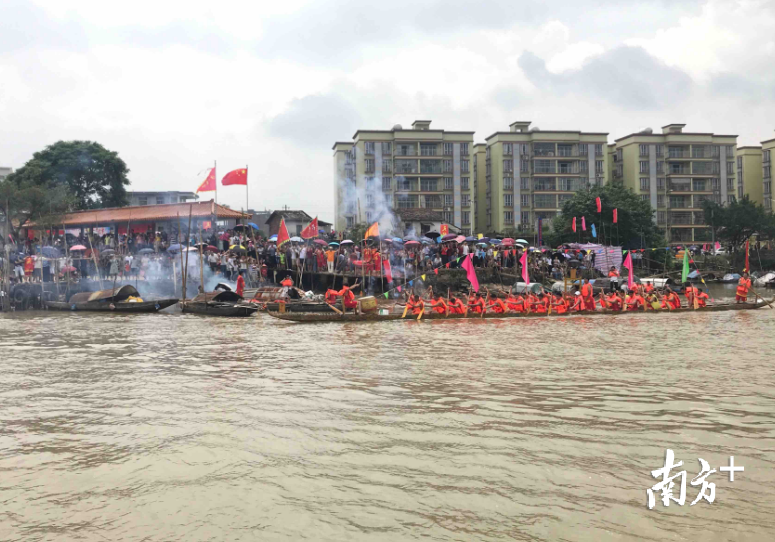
x: 417, y: 168
x: 675, y: 171
x: 478, y: 158
x: 529, y: 174
x: 768, y: 149
x: 749, y: 174
x: 160, y: 198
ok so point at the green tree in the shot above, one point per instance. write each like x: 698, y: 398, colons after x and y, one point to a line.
x: 635, y: 227
x: 26, y: 202
x: 94, y: 176
x: 738, y: 221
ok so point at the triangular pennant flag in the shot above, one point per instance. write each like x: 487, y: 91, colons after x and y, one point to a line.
x: 436, y: 271
x: 423, y: 277
x: 399, y: 289
x: 411, y: 282
x: 447, y: 265
x: 386, y: 295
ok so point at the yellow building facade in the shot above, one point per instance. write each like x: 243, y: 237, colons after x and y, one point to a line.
x: 768, y: 150
x: 530, y: 173
x: 749, y: 174
x: 417, y: 168
x: 675, y: 171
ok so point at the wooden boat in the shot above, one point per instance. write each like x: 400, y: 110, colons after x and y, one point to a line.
x: 220, y: 303
x: 268, y: 298
x: 376, y: 317
x: 114, y: 300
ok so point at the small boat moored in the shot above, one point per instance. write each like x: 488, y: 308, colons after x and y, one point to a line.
x: 219, y: 303
x: 122, y: 299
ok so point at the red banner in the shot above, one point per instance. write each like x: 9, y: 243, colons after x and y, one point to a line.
x: 209, y: 183
x: 282, y: 234
x: 444, y: 229
x: 311, y: 231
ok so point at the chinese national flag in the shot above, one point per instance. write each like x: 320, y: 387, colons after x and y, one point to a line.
x: 373, y: 231
x: 282, y: 234
x: 311, y: 231
x: 238, y: 176
x: 444, y: 229
x: 209, y: 184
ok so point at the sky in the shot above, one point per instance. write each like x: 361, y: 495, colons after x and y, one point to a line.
x: 172, y: 86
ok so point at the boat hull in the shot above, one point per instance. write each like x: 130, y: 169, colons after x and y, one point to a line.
x: 310, y: 317
x: 217, y: 309
x: 99, y: 306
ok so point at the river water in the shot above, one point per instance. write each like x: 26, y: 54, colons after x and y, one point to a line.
x: 176, y: 427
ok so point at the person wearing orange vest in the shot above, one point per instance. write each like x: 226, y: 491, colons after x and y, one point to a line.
x: 690, y: 291
x: 438, y: 305
x: 578, y: 302
x: 635, y: 301
x: 456, y: 306
x: 588, y: 294
x: 331, y: 296
x: 648, y: 288
x: 240, y: 285
x: 671, y: 300
x: 348, y: 296
x: 702, y: 299
x: 559, y: 305
x: 477, y: 306
x: 743, y: 285
x: 287, y: 282
x: 614, y: 301
x: 515, y: 303
x: 497, y: 305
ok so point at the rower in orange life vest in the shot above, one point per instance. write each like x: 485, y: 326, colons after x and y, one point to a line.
x: 588, y: 294
x: 477, y: 306
x: 690, y: 291
x: 635, y: 301
x: 614, y: 301
x: 743, y: 285
x: 542, y: 303
x: 515, y: 303
x: 348, y: 296
x: 578, y: 302
x: 497, y: 305
x: 702, y: 298
x: 671, y: 300
x: 558, y: 303
x: 331, y: 296
x: 415, y: 304
x: 287, y: 282
x: 456, y: 306
x: 438, y: 305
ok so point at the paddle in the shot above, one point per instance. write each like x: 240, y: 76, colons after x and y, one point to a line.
x: 484, y: 308
x: 335, y: 309
x: 422, y: 310
x: 769, y: 303
x: 446, y: 306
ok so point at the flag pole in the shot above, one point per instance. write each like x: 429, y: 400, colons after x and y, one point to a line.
x: 215, y: 175
x: 247, y: 194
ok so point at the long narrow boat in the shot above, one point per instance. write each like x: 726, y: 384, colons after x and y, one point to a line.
x: 376, y: 317
x: 123, y: 299
x: 220, y: 303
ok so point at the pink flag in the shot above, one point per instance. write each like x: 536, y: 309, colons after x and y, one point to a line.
x: 574, y: 224
x: 628, y: 264
x: 718, y: 245
x: 468, y: 265
x: 523, y: 263
x: 583, y: 224
x: 616, y: 216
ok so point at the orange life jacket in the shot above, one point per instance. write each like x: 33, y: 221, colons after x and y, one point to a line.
x: 743, y: 285
x: 439, y: 307
x: 497, y: 305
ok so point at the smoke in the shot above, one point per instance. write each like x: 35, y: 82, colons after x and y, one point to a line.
x: 365, y: 199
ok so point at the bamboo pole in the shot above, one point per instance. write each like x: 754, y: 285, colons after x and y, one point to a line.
x: 201, y: 267
x: 94, y: 257
x: 182, y: 275
x: 188, y: 236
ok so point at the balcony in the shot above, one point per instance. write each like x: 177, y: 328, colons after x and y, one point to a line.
x: 431, y: 168
x: 705, y: 168
x: 568, y: 152
x: 406, y: 151
x: 545, y: 185
x: 676, y: 169
x: 681, y: 218
x: 428, y: 151
x: 405, y: 166
x: 544, y: 152
x: 673, y: 152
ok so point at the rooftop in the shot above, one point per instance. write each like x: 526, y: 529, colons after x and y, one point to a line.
x: 419, y: 215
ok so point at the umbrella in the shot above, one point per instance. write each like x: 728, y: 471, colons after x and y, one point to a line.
x: 78, y: 247
x: 333, y: 244
x: 296, y: 239
x: 145, y: 251
x: 432, y: 234
x: 108, y: 251
x: 252, y: 225
x: 412, y: 243
x: 211, y: 248
x: 471, y: 239
x: 521, y: 241
x: 174, y: 248
x: 236, y: 247
x: 481, y: 244
x: 49, y: 252
x: 508, y: 242
x: 495, y: 241
x: 426, y: 240
x: 319, y: 242
x: 273, y: 237
x: 68, y: 269
x: 347, y: 242
x: 449, y: 237
x: 192, y: 249
x: 460, y: 239
x: 398, y: 240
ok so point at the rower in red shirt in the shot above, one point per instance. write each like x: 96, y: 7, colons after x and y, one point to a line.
x: 614, y: 301
x: 690, y: 291
x: 287, y: 282
x: 559, y: 305
x: 672, y: 300
x: 702, y: 299
x: 515, y: 303
x: 348, y: 296
x: 542, y: 303
x: 743, y: 285
x: 438, y: 305
x: 331, y: 296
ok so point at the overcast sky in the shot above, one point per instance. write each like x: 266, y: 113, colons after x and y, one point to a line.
x: 173, y: 86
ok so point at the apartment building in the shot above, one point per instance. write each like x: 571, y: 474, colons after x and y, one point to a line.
x: 478, y: 159
x: 768, y: 148
x: 417, y: 168
x: 160, y: 198
x: 675, y: 171
x: 530, y: 173
x: 749, y: 174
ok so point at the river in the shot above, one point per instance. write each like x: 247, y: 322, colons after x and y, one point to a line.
x: 173, y: 427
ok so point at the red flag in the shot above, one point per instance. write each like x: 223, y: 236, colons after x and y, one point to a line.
x: 444, y: 229
x: 311, y: 231
x: 616, y: 216
x: 373, y: 231
x: 628, y: 264
x: 599, y: 205
x: 574, y: 224
x: 282, y: 234
x: 399, y: 289
x: 583, y: 224
x: 523, y: 263
x: 747, y: 266
x: 209, y: 183
x: 436, y: 270
x: 468, y: 265
x: 238, y: 176
x: 388, y: 271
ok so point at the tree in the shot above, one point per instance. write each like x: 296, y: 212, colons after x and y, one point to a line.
x: 635, y: 227
x: 736, y: 222
x: 28, y: 202
x: 94, y: 176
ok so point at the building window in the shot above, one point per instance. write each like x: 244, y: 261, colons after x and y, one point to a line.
x: 447, y: 217
x: 660, y: 183
x: 368, y: 147
x: 508, y: 200
x: 644, y: 150
x: 598, y: 150
x: 523, y: 166
x: 730, y: 167
x: 142, y: 200
x: 448, y: 183
x: 644, y: 166
x: 369, y: 165
x: 387, y: 166
x: 448, y: 149
x: 389, y: 200
x: 730, y: 198
x: 387, y: 147
x: 525, y: 217
x: 466, y: 217
x: 446, y: 166
x: 464, y: 166
x: 508, y: 217
x: 767, y: 171
x: 524, y: 200
x: 644, y: 197
x: 508, y: 166
x: 730, y: 184
x: 645, y: 183
x: 369, y: 216
x: 428, y: 185
x: 386, y: 183
x: 369, y: 200
x: 544, y: 166
x: 545, y: 201
x: 464, y: 183
x: 583, y: 166
x: 350, y: 221
x: 583, y: 150
x: 508, y: 183
x: 661, y: 217
x: 660, y: 200
x: 159, y: 200
x: 465, y: 200
x: 448, y: 200
x: 464, y: 149
x: 507, y: 149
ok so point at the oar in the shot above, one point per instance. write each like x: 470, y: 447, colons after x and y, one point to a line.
x: 335, y: 309
x: 446, y: 306
x: 422, y: 310
x: 769, y: 303
x: 484, y: 308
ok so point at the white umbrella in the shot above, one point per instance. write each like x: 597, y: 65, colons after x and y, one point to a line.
x: 521, y: 241
x: 296, y: 239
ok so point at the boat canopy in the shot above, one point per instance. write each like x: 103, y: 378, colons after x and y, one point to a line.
x: 221, y: 296
x: 114, y: 294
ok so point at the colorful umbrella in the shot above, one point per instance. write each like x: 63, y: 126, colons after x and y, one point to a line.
x: 449, y: 237
x: 78, y: 247
x: 347, y: 242
x: 320, y: 242
x: 412, y: 243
